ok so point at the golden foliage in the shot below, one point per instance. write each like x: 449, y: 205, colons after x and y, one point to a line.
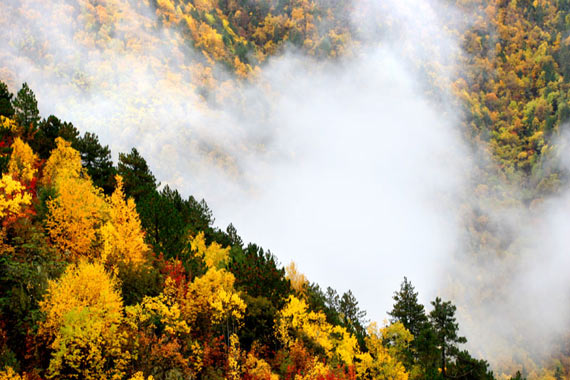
x: 214, y: 255
x: 335, y: 341
x: 9, y: 124
x: 23, y: 161
x: 258, y: 369
x: 298, y: 279
x: 234, y: 358
x: 84, y: 312
x: 82, y: 285
x: 79, y: 209
x: 140, y: 376
x: 90, y: 345
x: 211, y: 41
x: 9, y: 374
x: 75, y: 216
x: 213, y: 296
x: 64, y: 162
x: 164, y: 307
x: 122, y: 235
x: 13, y: 197
x: 378, y: 363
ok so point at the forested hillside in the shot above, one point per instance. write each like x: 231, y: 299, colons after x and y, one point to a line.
x: 104, y: 275
x: 107, y: 273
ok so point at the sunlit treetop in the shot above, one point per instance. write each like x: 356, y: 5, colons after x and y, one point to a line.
x: 23, y: 161
x: 214, y: 255
x: 64, y: 162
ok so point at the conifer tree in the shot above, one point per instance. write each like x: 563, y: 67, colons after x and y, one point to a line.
x: 6, y: 96
x: 26, y: 108
x: 443, y: 321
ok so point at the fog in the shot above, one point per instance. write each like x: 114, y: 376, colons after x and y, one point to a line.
x: 355, y: 169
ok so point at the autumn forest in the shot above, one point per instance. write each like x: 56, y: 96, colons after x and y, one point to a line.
x: 119, y: 119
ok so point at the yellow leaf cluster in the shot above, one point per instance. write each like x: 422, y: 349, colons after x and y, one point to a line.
x: 122, y: 235
x: 258, y: 369
x: 75, y: 216
x: 336, y: 341
x: 82, y: 285
x: 140, y: 376
x: 9, y: 374
x: 64, y: 162
x: 84, y: 312
x: 214, y: 255
x: 13, y: 197
x: 378, y: 363
x: 296, y: 316
x: 9, y: 124
x: 234, y: 356
x: 316, y: 370
x: 213, y: 295
x: 22, y: 164
x: 79, y: 209
x: 89, y: 346
x: 211, y: 41
x: 165, y: 307
x: 298, y: 279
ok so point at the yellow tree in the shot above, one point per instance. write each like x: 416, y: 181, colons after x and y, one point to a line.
x: 160, y: 333
x: 84, y: 313
x: 75, y: 216
x: 78, y: 210
x: 213, y: 255
x: 64, y: 161
x: 122, y: 234
x: 23, y: 161
x: 378, y: 363
x: 13, y: 197
x: 10, y: 124
x: 164, y: 308
x: 8, y: 373
x: 212, y: 298
x: 298, y: 279
x: 336, y: 342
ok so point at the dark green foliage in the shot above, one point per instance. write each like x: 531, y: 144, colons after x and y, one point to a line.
x: 44, y: 195
x: 446, y: 329
x: 468, y: 368
x: 138, y: 179
x: 169, y: 221
x: 138, y: 282
x: 264, y: 286
x: 6, y: 96
x: 257, y: 274
x: 408, y: 310
x: 353, y: 317
x: 319, y: 301
x: 48, y: 130
x: 163, y: 223
x: 259, y: 322
x: 97, y: 160
x: 24, y: 275
x: 26, y: 109
x: 411, y: 314
x: 234, y: 238
x: 518, y: 376
x: 6, y: 139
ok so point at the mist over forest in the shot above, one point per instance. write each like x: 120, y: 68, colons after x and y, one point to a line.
x: 284, y: 189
